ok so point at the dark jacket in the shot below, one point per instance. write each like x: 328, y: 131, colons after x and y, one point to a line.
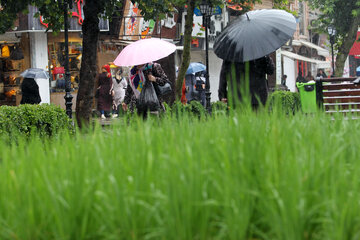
x: 30, y: 92
x: 156, y: 70
x: 322, y: 75
x: 105, y: 98
x: 234, y: 74
x: 300, y: 78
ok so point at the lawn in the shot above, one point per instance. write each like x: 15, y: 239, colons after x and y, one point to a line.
x: 244, y: 176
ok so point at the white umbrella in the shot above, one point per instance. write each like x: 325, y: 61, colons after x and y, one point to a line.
x: 35, y: 73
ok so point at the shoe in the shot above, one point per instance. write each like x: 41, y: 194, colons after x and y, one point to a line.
x: 103, y: 116
x: 115, y: 115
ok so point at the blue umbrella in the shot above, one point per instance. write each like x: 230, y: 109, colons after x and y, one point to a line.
x: 358, y: 71
x: 195, y: 67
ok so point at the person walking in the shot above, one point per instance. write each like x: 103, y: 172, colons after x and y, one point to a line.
x: 309, y: 77
x: 139, y: 75
x: 119, y: 87
x: 234, y: 75
x: 105, y: 91
x: 321, y: 74
x: 300, y: 78
x: 200, y: 87
x: 283, y: 80
x: 30, y: 92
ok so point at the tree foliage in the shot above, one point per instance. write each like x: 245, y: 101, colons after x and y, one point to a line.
x: 344, y: 16
x: 155, y: 9
x: 51, y: 10
x: 337, y: 13
x: 9, y: 11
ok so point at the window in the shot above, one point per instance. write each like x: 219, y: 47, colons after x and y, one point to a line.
x: 57, y: 63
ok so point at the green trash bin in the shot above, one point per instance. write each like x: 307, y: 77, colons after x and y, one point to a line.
x: 307, y: 96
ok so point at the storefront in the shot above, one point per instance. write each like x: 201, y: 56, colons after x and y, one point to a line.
x: 43, y: 50
x: 14, y: 58
x: 56, y: 65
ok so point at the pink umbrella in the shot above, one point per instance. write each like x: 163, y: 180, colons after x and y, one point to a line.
x: 144, y: 51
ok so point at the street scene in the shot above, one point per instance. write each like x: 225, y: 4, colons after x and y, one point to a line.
x: 197, y: 119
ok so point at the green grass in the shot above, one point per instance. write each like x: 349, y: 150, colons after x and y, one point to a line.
x: 246, y: 176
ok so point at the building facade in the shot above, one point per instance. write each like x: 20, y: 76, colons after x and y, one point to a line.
x: 303, y: 55
x: 45, y: 50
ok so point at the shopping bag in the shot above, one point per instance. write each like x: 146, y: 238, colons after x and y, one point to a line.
x: 148, y: 100
x: 163, y: 90
x: 17, y: 54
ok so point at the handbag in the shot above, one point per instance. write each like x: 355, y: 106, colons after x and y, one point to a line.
x: 5, y: 51
x: 163, y: 90
x: 17, y: 54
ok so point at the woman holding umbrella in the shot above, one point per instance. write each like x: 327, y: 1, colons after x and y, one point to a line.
x: 141, y: 54
x: 139, y: 75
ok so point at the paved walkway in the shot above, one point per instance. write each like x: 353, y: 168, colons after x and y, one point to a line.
x: 105, y: 122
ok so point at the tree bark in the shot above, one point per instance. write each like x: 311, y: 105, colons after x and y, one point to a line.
x: 344, y: 48
x: 187, y: 44
x: 168, y: 65
x: 88, y: 69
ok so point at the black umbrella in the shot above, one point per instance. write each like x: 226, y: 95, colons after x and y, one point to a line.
x: 254, y: 35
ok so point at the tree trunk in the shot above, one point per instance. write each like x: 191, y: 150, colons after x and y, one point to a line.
x: 340, y: 61
x: 88, y: 71
x: 168, y: 65
x: 187, y: 44
x: 344, y: 48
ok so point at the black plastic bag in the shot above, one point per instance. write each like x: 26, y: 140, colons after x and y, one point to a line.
x: 148, y: 100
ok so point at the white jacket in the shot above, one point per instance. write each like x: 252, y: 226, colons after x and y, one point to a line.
x: 119, y: 90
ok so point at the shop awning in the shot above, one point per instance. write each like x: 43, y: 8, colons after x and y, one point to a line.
x: 319, y: 64
x: 9, y: 38
x: 355, y: 50
x: 320, y: 51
